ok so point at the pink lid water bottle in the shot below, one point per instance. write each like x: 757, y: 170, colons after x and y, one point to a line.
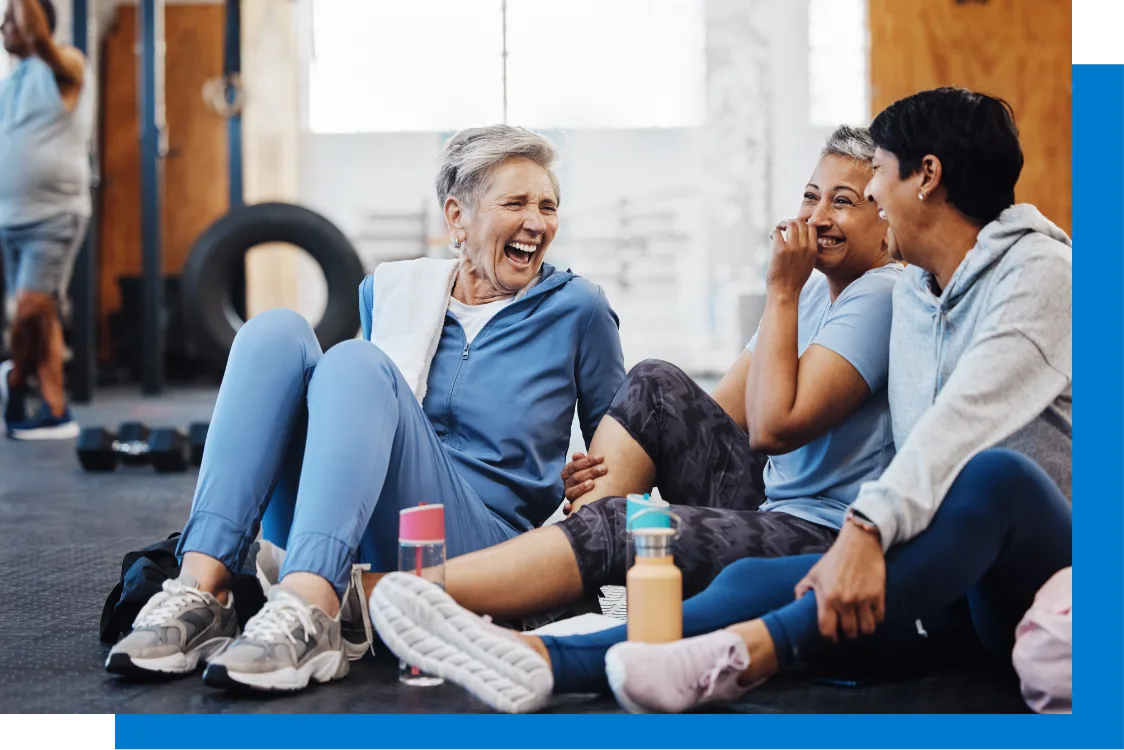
x: 421, y: 551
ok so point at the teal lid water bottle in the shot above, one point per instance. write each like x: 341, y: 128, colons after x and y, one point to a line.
x: 637, y: 519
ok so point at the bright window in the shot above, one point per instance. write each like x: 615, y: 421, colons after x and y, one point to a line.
x: 419, y: 65
x: 438, y: 65
x: 606, y: 63
x: 838, y: 45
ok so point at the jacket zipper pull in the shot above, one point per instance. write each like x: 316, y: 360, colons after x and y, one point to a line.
x: 464, y: 354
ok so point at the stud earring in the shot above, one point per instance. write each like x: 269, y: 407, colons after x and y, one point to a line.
x: 920, y: 196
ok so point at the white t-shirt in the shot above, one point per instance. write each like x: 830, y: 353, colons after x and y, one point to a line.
x: 474, y: 317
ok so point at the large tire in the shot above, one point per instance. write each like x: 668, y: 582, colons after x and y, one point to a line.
x: 208, y: 274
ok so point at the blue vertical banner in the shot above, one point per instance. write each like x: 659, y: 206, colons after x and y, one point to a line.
x: 1098, y: 408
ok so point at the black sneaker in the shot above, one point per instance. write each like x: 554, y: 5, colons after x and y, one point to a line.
x: 13, y: 400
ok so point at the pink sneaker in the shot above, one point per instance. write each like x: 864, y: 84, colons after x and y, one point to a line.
x: 674, y: 677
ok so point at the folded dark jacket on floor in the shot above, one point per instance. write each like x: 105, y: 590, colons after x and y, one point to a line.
x: 143, y: 573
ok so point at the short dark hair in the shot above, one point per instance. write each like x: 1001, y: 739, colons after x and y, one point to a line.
x: 49, y: 12
x: 973, y: 135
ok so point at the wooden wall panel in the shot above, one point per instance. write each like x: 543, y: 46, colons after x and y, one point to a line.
x: 1017, y: 49
x: 195, y: 172
x: 196, y: 182
x: 120, y: 228
x: 271, y: 130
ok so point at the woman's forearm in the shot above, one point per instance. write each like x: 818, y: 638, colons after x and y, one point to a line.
x: 771, y: 384
x: 33, y: 27
x: 30, y: 20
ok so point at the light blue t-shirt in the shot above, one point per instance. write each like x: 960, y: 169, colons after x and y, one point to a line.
x: 44, y: 156
x: 819, y: 481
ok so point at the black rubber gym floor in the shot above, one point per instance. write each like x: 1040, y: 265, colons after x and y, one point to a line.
x: 63, y: 534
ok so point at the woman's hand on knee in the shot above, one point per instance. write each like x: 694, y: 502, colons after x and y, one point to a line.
x: 579, y: 477
x: 850, y: 585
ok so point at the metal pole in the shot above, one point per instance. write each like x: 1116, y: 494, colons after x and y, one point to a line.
x: 83, y: 287
x: 503, y: 14
x: 150, y: 29
x: 232, y: 66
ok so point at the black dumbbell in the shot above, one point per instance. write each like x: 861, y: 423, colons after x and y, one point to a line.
x: 96, y: 449
x: 197, y: 436
x: 132, y: 443
x: 168, y: 450
x: 100, y: 449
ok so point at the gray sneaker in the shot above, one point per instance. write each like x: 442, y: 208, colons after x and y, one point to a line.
x: 176, y: 629
x: 355, y: 618
x: 285, y: 645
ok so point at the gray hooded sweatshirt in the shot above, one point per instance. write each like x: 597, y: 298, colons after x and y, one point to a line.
x: 987, y: 363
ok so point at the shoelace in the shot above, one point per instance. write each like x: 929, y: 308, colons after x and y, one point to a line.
x: 728, y: 659
x: 168, y: 604
x: 357, y: 584
x: 276, y: 620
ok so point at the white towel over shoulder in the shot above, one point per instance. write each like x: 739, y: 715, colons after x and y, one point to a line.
x: 408, y: 312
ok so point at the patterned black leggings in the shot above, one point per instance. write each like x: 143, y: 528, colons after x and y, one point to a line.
x: 706, y: 469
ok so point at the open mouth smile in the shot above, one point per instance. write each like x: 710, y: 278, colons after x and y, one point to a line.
x: 520, y: 253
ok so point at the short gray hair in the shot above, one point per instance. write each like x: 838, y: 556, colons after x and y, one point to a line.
x: 469, y: 157
x: 850, y: 142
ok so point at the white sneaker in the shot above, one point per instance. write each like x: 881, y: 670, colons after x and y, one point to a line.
x: 424, y: 627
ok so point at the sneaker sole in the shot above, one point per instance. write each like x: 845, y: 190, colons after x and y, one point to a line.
x: 330, y: 665
x: 615, y: 671
x: 424, y: 627
x: 67, y: 431
x: 173, y: 664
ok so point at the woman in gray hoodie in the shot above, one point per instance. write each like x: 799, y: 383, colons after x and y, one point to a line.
x: 973, y: 509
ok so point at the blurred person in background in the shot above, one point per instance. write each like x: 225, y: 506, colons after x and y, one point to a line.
x: 45, y: 125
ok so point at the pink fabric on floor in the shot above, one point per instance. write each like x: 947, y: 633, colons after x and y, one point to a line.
x: 1043, y: 655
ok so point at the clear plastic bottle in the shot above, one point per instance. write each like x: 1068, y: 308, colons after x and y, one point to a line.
x: 421, y: 551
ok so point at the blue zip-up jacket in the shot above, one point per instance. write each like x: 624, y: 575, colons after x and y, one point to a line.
x: 503, y: 406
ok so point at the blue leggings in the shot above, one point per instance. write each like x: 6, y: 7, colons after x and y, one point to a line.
x: 328, y: 448
x: 1003, y: 529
